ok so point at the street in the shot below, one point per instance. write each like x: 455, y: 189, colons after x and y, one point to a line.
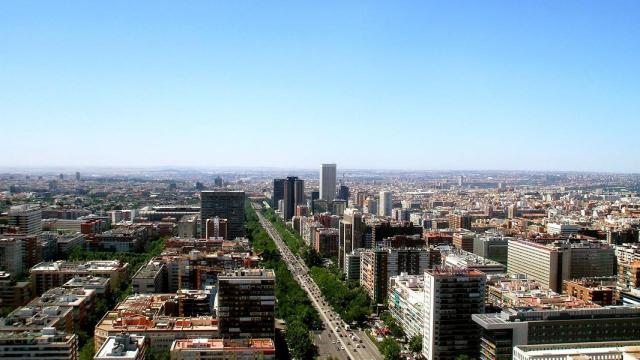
x: 334, y: 340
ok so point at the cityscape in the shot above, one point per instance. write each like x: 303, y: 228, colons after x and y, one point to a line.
x: 331, y: 265
x: 320, y: 180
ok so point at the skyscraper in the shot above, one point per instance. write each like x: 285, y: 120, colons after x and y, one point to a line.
x: 278, y: 192
x: 343, y: 193
x: 328, y: 182
x: 385, y: 204
x: 293, y: 195
x: 451, y: 297
x: 225, y: 205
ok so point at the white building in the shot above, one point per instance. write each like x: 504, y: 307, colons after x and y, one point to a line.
x: 406, y: 302
x: 123, y: 347
x: 385, y: 203
x: 618, y: 350
x: 562, y: 229
x: 328, y: 182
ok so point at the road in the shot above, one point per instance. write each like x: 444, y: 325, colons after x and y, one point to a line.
x: 334, y: 340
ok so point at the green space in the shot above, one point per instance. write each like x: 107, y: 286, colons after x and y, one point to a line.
x: 293, y: 305
x: 102, y: 305
x: 347, y: 298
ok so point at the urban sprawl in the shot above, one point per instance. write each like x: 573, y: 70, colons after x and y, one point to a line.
x: 328, y: 264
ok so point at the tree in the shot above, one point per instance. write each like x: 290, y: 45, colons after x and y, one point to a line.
x: 299, y: 341
x: 311, y: 257
x: 389, y: 348
x: 87, y: 351
x: 391, y: 323
x: 415, y: 343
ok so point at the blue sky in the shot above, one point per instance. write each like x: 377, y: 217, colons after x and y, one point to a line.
x: 551, y: 85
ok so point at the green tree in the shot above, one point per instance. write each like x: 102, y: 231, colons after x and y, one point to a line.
x: 396, y: 330
x: 87, y: 351
x: 158, y: 355
x: 389, y: 348
x: 311, y: 257
x: 299, y: 341
x: 415, y: 343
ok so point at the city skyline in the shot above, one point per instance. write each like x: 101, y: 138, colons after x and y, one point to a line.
x: 426, y: 85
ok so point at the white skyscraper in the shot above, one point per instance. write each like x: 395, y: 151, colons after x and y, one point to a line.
x: 328, y: 182
x: 385, y: 205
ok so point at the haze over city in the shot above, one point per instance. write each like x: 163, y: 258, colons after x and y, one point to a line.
x: 430, y: 85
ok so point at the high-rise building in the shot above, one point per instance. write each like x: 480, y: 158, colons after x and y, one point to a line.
x: 328, y: 182
x: 385, y: 203
x: 553, y: 263
x: 492, y: 247
x: 370, y: 205
x: 293, y: 196
x: 451, y: 298
x: 315, y: 195
x: 377, y: 265
x: 246, y: 303
x: 225, y: 205
x: 352, y: 229
x: 343, y: 193
x: 278, y: 192
x: 27, y: 217
x: 77, y: 175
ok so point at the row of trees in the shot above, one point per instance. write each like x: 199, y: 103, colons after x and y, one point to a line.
x: 293, y: 305
x: 348, y: 299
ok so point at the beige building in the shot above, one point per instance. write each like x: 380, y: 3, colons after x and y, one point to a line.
x: 223, y: 349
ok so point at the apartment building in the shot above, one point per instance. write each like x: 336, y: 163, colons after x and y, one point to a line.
x: 451, y: 297
x: 47, y: 343
x: 246, y: 303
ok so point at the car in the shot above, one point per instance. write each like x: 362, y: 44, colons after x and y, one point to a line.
x: 333, y: 341
x: 342, y: 347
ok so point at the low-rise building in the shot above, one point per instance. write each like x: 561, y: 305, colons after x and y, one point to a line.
x: 210, y: 349
x: 47, y: 275
x: 101, y: 285
x: 601, y: 291
x: 155, y: 316
x: 123, y: 346
x: 457, y: 258
x: 150, y: 278
x: 48, y: 343
x: 618, y: 350
x: 13, y: 293
x: 80, y: 300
